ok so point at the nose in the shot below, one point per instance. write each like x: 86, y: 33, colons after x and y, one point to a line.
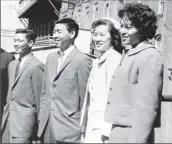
x: 16, y: 44
x: 96, y: 38
x: 55, y: 35
x: 123, y: 31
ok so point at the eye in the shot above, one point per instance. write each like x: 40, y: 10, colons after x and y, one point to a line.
x: 129, y: 28
x: 94, y: 34
x: 20, y: 41
x: 102, y: 34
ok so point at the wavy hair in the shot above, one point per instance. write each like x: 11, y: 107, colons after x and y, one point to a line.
x: 114, y: 33
x: 142, y: 17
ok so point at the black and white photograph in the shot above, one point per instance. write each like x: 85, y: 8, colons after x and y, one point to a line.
x: 86, y: 71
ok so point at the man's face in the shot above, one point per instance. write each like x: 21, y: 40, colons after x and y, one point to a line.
x: 63, y: 39
x: 21, y: 44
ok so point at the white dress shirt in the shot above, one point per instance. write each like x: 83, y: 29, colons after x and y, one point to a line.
x: 63, y: 56
x: 24, y: 59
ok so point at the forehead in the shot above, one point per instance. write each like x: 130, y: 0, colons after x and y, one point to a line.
x: 101, y: 28
x: 125, y: 20
x: 20, y: 36
x: 60, y: 26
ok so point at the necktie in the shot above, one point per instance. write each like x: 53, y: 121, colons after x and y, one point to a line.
x: 18, y: 68
x: 60, y: 61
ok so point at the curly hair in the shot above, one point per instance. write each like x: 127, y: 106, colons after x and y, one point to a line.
x: 115, y: 35
x: 142, y: 17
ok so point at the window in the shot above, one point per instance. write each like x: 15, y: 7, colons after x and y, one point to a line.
x: 65, y: 6
x: 158, y: 42
x: 139, y: 1
x: 107, y: 9
x: 122, y: 1
x: 161, y: 7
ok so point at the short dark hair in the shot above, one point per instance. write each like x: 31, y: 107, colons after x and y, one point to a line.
x: 142, y: 17
x: 70, y: 24
x: 30, y: 34
x: 115, y: 35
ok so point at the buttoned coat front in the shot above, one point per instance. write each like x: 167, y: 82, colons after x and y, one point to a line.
x: 135, y: 93
x: 23, y: 97
x: 63, y: 95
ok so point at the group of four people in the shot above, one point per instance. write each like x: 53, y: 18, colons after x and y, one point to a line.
x: 115, y: 98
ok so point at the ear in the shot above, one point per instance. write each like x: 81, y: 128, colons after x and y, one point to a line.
x: 72, y: 34
x: 31, y: 43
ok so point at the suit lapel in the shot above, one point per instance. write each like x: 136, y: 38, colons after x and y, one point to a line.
x: 12, y: 72
x: 66, y: 62
x: 22, y: 70
x: 54, y: 65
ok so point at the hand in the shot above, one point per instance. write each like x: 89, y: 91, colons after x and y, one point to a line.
x: 82, y: 137
x: 104, y: 138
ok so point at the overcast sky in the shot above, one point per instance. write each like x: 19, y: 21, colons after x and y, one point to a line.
x: 9, y: 16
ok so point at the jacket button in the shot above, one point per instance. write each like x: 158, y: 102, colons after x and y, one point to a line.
x: 110, y: 89
x: 108, y: 102
x: 54, y: 85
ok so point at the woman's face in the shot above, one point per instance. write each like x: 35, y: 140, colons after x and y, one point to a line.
x: 101, y: 38
x: 129, y: 33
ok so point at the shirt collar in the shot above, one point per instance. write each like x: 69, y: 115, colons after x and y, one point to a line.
x: 142, y: 46
x: 25, y: 57
x: 67, y: 51
x: 104, y: 56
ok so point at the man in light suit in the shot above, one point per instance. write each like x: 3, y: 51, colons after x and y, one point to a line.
x: 64, y: 87
x: 25, y: 81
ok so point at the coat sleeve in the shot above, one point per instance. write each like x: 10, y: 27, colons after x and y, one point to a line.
x: 37, y: 79
x: 147, y: 95
x: 83, y: 74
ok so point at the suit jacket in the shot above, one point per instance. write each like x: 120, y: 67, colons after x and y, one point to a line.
x: 135, y: 92
x: 23, y: 97
x: 5, y: 59
x: 63, y: 95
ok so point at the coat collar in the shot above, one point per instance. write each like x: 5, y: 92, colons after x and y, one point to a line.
x: 22, y: 70
x: 67, y: 61
x: 140, y: 47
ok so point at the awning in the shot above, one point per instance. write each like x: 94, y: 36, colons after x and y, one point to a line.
x: 40, y: 9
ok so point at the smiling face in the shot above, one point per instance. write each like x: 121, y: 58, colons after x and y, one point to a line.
x: 129, y: 33
x: 101, y: 38
x: 21, y: 44
x: 62, y: 37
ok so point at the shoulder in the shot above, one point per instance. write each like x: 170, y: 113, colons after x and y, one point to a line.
x: 115, y: 55
x: 150, y: 56
x: 150, y: 53
x: 37, y: 63
x: 8, y: 57
x: 82, y: 58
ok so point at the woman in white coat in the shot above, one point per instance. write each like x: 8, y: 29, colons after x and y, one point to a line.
x: 107, y: 41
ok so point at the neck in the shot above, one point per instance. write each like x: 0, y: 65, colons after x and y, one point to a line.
x: 22, y: 55
x: 135, y: 45
x: 63, y: 49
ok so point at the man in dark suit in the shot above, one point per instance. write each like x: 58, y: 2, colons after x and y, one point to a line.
x: 5, y: 59
x: 64, y: 87
x: 25, y: 82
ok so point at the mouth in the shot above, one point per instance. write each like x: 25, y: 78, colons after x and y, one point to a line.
x: 98, y: 45
x: 17, y: 49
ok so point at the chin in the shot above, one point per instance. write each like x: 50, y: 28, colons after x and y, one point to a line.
x: 17, y: 52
